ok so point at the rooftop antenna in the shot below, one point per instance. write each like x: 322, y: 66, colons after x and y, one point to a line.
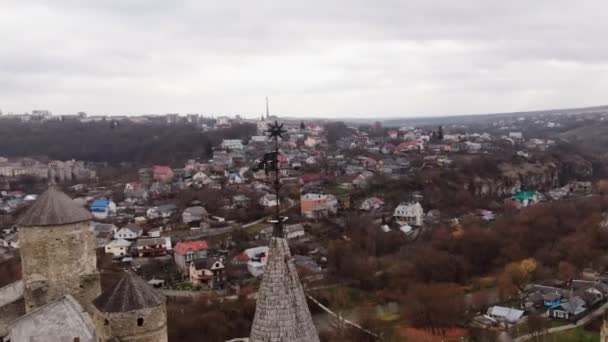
x: 267, y: 110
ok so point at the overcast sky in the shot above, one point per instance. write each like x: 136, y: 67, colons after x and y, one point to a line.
x: 338, y: 58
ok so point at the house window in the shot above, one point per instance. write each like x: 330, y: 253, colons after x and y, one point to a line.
x: 140, y: 322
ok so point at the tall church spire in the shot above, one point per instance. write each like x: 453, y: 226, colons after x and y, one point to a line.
x: 267, y: 109
x: 281, y: 313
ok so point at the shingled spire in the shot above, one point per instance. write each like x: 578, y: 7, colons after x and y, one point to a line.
x: 281, y: 313
x: 54, y: 208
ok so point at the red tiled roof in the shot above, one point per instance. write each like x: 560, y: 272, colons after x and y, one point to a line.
x: 408, y: 143
x: 182, y: 247
x: 158, y: 169
x: 243, y: 257
x: 311, y: 177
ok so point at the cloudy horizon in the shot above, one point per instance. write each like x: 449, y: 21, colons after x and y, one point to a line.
x: 312, y: 59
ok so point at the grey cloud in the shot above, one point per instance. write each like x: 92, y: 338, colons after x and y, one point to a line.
x: 312, y: 57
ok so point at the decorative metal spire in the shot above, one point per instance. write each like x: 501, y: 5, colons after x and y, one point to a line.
x: 274, y: 132
x: 281, y: 313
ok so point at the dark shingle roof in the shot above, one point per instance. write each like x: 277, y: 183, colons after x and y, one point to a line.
x: 53, y: 208
x: 129, y: 294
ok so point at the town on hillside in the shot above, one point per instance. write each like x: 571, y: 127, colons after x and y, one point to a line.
x: 488, y: 230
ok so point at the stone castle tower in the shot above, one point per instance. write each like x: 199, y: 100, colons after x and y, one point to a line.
x: 281, y: 313
x: 58, y: 251
x: 61, y: 288
x: 131, y: 311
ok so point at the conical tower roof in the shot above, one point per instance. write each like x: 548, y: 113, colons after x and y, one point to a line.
x: 281, y: 313
x: 54, y: 208
x: 129, y: 294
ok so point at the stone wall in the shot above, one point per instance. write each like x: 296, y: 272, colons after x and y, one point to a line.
x: 59, y: 260
x: 513, y: 178
x: 9, y: 313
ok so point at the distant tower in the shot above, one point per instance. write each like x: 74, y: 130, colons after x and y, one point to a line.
x: 58, y: 251
x: 267, y: 109
x: 132, y: 311
x: 281, y: 313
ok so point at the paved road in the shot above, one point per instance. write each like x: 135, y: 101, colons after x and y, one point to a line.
x: 581, y: 322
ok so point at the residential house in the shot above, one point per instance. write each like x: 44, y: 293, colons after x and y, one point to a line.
x: 234, y: 178
x: 312, y: 141
x: 158, y: 188
x: 163, y: 174
x: 150, y: 247
x: 132, y: 186
x: 161, y: 211
x: 232, y: 144
x: 155, y: 232
x: 9, y: 240
x: 187, y: 251
x: 393, y: 134
x: 311, y: 179
x: 409, y: 146
x: 371, y: 203
x: 410, y: 213
x: 526, y: 198
x: 104, y: 232
x: 472, y: 147
x: 259, y: 139
x: 202, y: 179
x: 194, y: 214
x: 388, y: 148
x: 571, y: 309
x: 318, y: 205
x: 208, y: 271
x: 255, y: 258
x: 268, y: 200
x: 129, y: 232
x: 363, y: 179
x: 102, y: 208
x: 118, y: 248
x: 240, y: 201
x: 505, y: 314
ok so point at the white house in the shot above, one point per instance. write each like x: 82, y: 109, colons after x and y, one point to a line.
x: 516, y: 135
x: 257, y: 258
x: 312, y: 141
x: 232, y: 144
x: 202, y: 178
x: 259, y: 139
x: 118, y: 248
x: 129, y: 232
x: 411, y: 213
x: 505, y: 314
x: 268, y: 200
